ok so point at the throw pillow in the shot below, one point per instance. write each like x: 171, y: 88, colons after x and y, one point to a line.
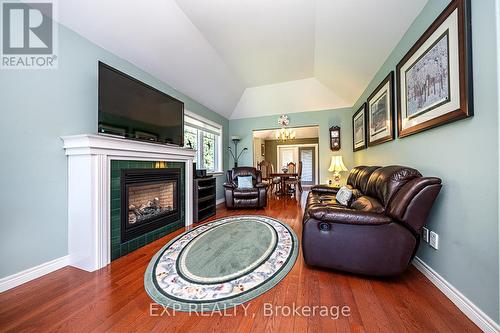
x: 245, y: 182
x: 344, y: 195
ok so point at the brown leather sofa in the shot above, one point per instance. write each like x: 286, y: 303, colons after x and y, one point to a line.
x: 379, y: 231
x: 255, y: 197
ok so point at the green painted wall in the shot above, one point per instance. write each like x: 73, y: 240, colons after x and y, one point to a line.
x: 37, y: 107
x: 324, y: 119
x: 272, y: 148
x: 465, y: 155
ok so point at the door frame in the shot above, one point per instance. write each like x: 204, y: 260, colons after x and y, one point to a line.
x: 296, y: 146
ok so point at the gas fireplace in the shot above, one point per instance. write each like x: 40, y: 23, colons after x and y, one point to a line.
x: 150, y: 200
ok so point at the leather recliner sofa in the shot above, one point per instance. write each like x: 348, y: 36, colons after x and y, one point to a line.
x: 378, y: 233
x: 255, y: 197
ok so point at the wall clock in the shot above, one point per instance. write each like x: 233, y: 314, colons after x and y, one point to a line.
x: 335, y: 138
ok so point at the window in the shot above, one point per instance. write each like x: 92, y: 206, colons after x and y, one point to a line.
x: 206, y: 137
x: 191, y: 138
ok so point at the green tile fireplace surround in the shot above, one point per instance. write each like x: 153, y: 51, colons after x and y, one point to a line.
x: 119, y: 249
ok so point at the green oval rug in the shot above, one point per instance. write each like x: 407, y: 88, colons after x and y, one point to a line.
x: 221, y: 264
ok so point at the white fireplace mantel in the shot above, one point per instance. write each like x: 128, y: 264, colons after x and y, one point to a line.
x: 89, y: 174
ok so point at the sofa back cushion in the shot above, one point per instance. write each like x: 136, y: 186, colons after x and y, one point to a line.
x: 363, y: 177
x: 353, y: 174
x: 245, y: 171
x: 385, y: 182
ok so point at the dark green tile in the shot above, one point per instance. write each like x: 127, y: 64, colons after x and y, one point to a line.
x: 118, y: 249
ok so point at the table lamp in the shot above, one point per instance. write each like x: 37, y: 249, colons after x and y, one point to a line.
x: 337, y: 166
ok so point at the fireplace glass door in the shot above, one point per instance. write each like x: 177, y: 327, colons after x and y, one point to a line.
x: 150, y: 200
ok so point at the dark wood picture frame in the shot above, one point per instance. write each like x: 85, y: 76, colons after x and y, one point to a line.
x: 362, y: 109
x: 389, y: 137
x: 464, y: 67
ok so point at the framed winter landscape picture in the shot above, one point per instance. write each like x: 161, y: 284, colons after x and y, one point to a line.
x: 434, y: 79
x: 380, y: 112
x: 359, y: 129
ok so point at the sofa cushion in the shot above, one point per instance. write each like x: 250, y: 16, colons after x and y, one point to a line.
x: 385, y: 182
x: 367, y: 204
x: 344, y: 196
x: 346, y: 215
x: 246, y: 193
x: 245, y: 182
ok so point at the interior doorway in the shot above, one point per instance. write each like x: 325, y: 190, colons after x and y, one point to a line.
x: 303, y: 148
x: 304, y: 153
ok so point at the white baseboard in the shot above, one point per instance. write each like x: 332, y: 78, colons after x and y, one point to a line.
x: 32, y: 273
x: 219, y: 201
x: 481, y: 319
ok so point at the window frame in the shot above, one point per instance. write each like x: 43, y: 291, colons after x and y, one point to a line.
x: 202, y: 126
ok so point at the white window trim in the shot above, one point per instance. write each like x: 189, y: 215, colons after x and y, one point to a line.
x: 219, y: 151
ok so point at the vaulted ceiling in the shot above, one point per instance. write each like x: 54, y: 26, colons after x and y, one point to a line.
x: 247, y: 58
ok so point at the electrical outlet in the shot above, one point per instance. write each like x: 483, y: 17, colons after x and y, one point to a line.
x: 434, y: 240
x: 425, y: 234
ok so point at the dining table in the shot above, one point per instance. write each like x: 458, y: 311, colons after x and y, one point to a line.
x: 283, y: 177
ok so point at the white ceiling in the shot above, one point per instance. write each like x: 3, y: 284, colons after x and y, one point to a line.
x: 287, y: 97
x: 300, y: 133
x: 355, y: 37
x: 249, y: 58
x: 262, y: 41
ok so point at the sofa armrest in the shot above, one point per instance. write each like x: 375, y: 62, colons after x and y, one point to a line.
x: 230, y: 185
x: 324, y: 189
x: 261, y: 185
x: 347, y: 216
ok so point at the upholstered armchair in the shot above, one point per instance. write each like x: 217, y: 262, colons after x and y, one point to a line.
x: 237, y: 197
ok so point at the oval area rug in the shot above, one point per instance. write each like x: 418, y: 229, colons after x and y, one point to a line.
x: 221, y: 264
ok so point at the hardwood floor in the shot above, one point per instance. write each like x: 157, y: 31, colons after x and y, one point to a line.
x: 113, y: 299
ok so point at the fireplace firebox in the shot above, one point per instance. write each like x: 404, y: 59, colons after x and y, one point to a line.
x: 149, y: 200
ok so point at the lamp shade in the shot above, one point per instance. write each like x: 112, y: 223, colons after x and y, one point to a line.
x: 337, y: 164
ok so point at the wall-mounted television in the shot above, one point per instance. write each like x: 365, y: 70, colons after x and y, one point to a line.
x: 132, y: 109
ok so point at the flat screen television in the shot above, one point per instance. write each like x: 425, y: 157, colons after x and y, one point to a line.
x: 130, y: 108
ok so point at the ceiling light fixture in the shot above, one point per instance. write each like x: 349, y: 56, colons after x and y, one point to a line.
x: 284, y: 133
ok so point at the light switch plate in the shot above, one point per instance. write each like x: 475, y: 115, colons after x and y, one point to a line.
x: 434, y: 240
x: 425, y: 234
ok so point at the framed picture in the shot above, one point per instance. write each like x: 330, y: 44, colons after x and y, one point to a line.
x: 380, y: 107
x: 434, y: 79
x: 262, y: 149
x: 359, y: 129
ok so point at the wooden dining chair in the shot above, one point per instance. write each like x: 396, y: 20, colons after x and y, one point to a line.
x: 266, y: 168
x: 295, y: 181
